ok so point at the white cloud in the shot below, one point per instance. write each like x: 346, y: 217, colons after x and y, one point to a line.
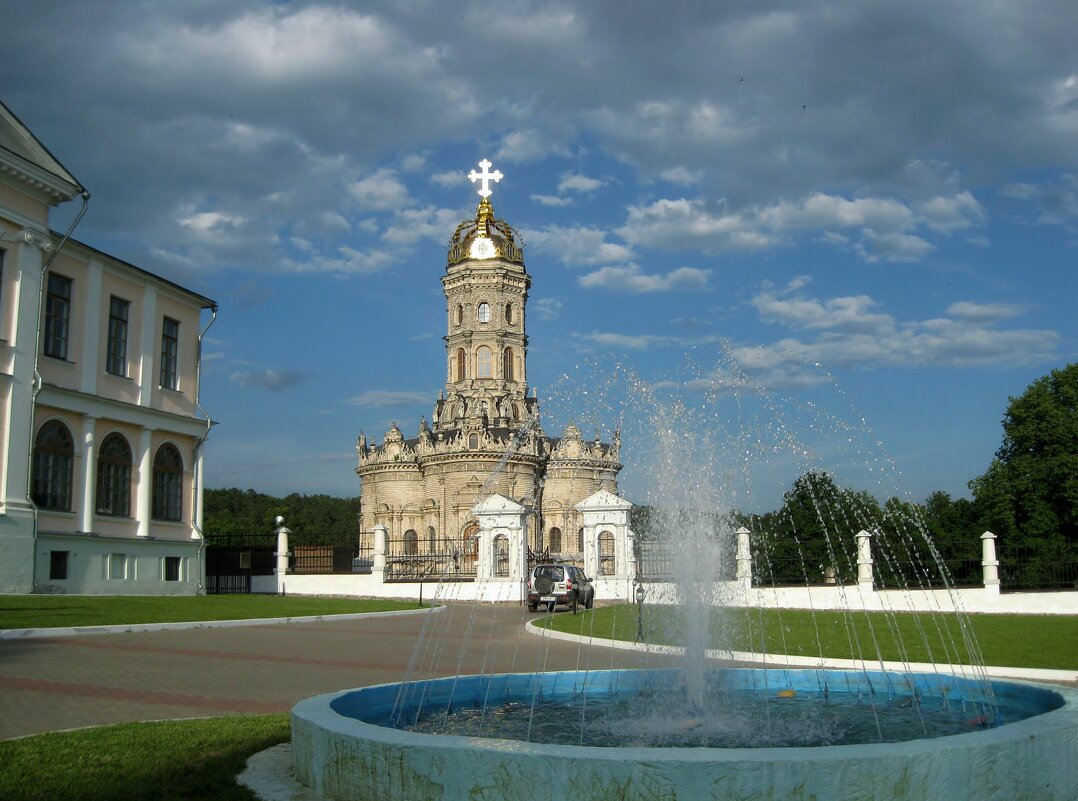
x: 411, y: 225
x: 954, y: 213
x: 578, y: 245
x: 380, y: 191
x: 893, y: 247
x: 631, y: 278
x: 681, y: 175
x: 552, y: 200
x: 547, y: 308
x: 449, y: 178
x: 268, y: 378
x: 205, y: 223
x: 389, y: 397
x: 578, y: 183
x: 527, y: 145
x: 413, y: 162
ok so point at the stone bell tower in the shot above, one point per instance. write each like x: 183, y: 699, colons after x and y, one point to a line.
x: 486, y: 291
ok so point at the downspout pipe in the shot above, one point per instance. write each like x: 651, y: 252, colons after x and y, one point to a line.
x: 36, y: 386
x: 198, y: 447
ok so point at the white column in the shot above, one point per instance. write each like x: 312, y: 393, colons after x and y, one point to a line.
x: 143, y: 507
x: 198, y: 490
x: 88, y: 501
x: 378, y: 559
x: 91, y: 329
x: 148, y: 347
x: 743, y: 555
x: 864, y: 560
x: 281, y: 554
x: 989, y: 563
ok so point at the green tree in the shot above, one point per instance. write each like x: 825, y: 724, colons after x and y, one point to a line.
x: 1029, y: 495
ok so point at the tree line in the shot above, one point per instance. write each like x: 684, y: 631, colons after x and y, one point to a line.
x: 231, y: 512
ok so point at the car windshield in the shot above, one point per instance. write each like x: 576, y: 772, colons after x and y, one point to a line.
x: 553, y: 572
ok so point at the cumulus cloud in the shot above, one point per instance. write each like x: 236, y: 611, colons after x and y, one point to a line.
x: 547, y: 308
x: 578, y: 183
x: 578, y: 245
x: 380, y: 191
x: 631, y: 278
x: 851, y: 332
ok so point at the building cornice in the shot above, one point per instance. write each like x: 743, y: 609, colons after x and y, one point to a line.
x: 134, y: 414
x: 35, y: 180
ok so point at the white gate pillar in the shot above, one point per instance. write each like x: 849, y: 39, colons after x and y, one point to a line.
x: 605, y: 511
x: 743, y: 555
x: 282, y: 553
x: 500, y: 516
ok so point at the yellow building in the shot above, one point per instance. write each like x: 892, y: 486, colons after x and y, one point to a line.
x: 484, y: 436
x: 100, y: 421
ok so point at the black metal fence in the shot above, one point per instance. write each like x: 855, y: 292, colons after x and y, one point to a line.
x: 410, y: 558
x: 232, y: 560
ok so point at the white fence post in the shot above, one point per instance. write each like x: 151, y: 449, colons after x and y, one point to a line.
x: 282, y: 553
x: 378, y: 558
x: 744, y: 558
x: 989, y: 563
x: 864, y: 561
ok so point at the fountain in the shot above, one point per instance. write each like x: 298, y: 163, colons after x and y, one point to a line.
x: 698, y: 731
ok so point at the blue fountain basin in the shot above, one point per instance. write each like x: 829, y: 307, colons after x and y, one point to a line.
x: 346, y: 745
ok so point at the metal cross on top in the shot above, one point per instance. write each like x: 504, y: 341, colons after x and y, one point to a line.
x: 485, y: 177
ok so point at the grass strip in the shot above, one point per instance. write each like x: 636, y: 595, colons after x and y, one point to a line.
x: 1035, y: 641
x: 163, y: 761
x: 47, y: 611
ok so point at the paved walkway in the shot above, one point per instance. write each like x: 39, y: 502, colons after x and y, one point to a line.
x: 92, y: 679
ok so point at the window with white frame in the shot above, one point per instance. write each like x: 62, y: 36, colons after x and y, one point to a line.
x: 483, y: 313
x: 501, y: 555
x: 172, y: 568
x: 484, y: 363
x: 118, y: 566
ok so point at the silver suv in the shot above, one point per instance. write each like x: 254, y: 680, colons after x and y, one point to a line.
x: 552, y: 584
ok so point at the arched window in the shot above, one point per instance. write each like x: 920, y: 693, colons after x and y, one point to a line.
x: 501, y: 555
x: 554, y: 540
x: 484, y: 363
x: 473, y: 441
x: 461, y: 365
x: 483, y: 313
x: 580, y: 540
x: 411, y: 542
x: 509, y: 313
x: 114, y: 476
x: 607, y: 566
x: 460, y: 314
x: 167, y: 483
x: 469, y: 547
x: 507, y: 364
x: 432, y: 539
x: 54, y: 457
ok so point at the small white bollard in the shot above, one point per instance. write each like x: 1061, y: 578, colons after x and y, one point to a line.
x: 378, y: 558
x: 282, y: 553
x: 744, y: 557
x: 989, y: 563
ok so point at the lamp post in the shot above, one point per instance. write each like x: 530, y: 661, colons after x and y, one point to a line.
x: 638, y: 592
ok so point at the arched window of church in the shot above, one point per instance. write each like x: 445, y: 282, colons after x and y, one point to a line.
x: 580, y: 540
x: 501, y: 555
x: 432, y: 539
x: 460, y: 314
x: 483, y: 313
x: 484, y: 363
x: 607, y: 566
x: 411, y: 542
x: 473, y: 441
x: 554, y: 540
x: 507, y: 364
x: 461, y: 372
x: 509, y: 313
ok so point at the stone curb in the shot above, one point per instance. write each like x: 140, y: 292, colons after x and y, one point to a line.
x: 998, y: 672
x: 74, y: 631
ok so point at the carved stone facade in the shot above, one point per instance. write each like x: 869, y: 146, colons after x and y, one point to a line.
x: 486, y: 435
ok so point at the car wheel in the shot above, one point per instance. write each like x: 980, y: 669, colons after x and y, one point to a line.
x: 532, y: 607
x: 590, y: 601
x: 551, y: 606
x: 573, y: 602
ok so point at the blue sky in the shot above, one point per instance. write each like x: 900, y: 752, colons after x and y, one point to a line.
x: 887, y: 190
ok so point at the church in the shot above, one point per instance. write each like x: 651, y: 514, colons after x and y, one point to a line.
x: 485, y: 437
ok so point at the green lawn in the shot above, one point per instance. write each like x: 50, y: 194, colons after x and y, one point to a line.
x: 163, y: 761
x: 1037, y: 641
x: 46, y: 611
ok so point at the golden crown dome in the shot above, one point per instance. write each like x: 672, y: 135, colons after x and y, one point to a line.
x: 485, y: 237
